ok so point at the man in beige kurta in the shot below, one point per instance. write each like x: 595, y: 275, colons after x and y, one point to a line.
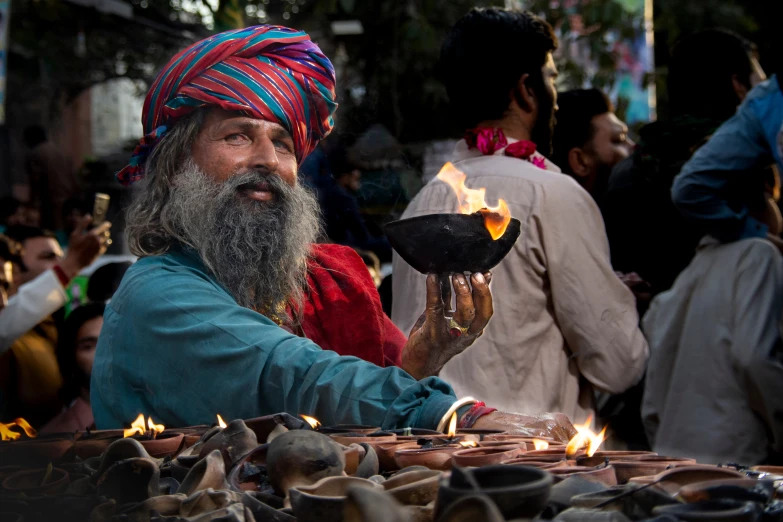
x: 564, y: 323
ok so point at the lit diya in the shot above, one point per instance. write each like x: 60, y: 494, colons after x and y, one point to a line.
x: 153, y: 437
x: 434, y: 453
x: 475, y: 240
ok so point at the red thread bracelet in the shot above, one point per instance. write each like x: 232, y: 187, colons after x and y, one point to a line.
x: 60, y: 273
x: 476, y: 411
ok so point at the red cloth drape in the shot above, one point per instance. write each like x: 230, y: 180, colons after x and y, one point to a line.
x: 342, y: 310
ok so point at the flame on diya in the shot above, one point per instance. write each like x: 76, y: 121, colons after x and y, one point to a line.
x: 7, y: 434
x: 150, y: 430
x: 312, y: 421
x: 585, y: 438
x: 475, y: 240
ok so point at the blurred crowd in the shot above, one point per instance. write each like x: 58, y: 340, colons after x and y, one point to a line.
x: 646, y: 288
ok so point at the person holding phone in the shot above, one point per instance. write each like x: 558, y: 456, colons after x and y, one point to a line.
x: 43, y: 291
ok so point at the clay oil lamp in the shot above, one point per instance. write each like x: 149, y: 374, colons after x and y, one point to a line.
x: 301, y: 458
x: 531, y: 462
x: 761, y: 491
x: 21, y: 445
x: 435, y: 453
x: 325, y: 500
x: 673, y: 479
x: 268, y: 427
x: 474, y: 240
x: 646, y: 466
x: 414, y: 488
x: 600, y: 457
x: 482, y: 456
x: 605, y: 474
x: 153, y: 437
x: 715, y: 510
x: 33, y: 482
x: 519, y: 492
x: 92, y: 443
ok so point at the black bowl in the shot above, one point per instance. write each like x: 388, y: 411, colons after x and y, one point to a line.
x: 450, y: 243
x: 518, y: 491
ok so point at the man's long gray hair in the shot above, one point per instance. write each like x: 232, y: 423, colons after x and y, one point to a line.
x: 258, y: 251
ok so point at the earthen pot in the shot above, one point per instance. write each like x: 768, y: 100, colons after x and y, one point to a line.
x: 673, y: 479
x: 353, y: 456
x: 551, y: 452
x: 209, y: 472
x: 386, y: 453
x: 271, y: 425
x: 118, y: 451
x: 349, y: 428
x: 713, y: 510
x: 772, y: 470
x: 602, y: 456
x: 302, y: 458
x: 603, y: 474
x: 542, y: 458
x: 446, y: 243
x: 415, y: 488
x: 472, y: 508
x: 163, y: 445
x: 29, y: 482
x: 130, y: 481
x: 234, y: 442
x: 518, y: 491
x: 34, y: 452
x: 324, y: 501
x: 477, y: 457
x: 534, y: 463
x: 643, y: 466
x: 438, y: 458
x: 371, y: 505
x: 500, y: 443
x: 742, y: 490
x: 94, y: 443
x: 369, y: 465
x: 373, y: 439
x: 237, y: 478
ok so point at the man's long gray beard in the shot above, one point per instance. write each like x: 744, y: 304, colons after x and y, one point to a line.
x: 257, y: 250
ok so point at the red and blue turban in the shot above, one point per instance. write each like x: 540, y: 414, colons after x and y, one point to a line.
x: 268, y: 72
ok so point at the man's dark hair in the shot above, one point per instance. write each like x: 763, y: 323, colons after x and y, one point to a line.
x: 8, y: 207
x: 34, y: 135
x: 21, y: 233
x: 701, y: 69
x: 574, y: 128
x: 73, y: 377
x: 10, y: 250
x: 484, y: 56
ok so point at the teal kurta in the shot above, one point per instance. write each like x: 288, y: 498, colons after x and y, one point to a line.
x: 177, y: 347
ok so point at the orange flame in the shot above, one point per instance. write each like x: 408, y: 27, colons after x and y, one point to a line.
x: 540, y: 444
x: 312, y: 421
x: 155, y: 428
x: 468, y: 444
x: 7, y: 434
x: 496, y: 219
x: 138, y: 427
x: 453, y: 425
x: 585, y: 437
x: 221, y: 422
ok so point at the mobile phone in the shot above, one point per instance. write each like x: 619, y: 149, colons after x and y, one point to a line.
x: 100, y: 208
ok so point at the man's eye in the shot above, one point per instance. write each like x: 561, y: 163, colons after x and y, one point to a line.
x: 236, y: 138
x: 282, y: 144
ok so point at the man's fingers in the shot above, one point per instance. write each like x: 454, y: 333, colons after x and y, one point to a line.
x: 465, y: 309
x: 434, y: 310
x: 482, y: 302
x: 101, y: 229
x: 84, y: 222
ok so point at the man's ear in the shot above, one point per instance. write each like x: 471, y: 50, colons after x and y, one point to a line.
x: 740, y: 89
x: 525, y: 95
x: 577, y: 162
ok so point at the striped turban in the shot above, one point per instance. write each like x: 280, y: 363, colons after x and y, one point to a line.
x: 268, y: 72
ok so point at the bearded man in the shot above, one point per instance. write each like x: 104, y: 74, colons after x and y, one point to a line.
x: 207, y: 320
x: 566, y: 322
